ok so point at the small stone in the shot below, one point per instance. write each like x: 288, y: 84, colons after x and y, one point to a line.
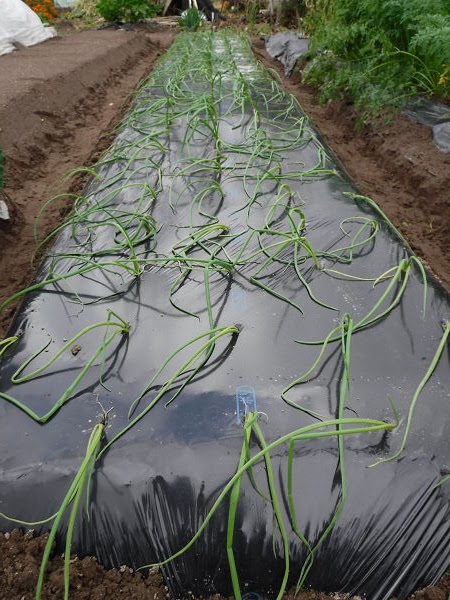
x: 4, y: 212
x: 7, y: 208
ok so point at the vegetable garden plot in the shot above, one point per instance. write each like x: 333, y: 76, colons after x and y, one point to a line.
x: 268, y: 361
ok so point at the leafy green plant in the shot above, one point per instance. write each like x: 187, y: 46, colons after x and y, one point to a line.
x: 431, y: 45
x: 191, y: 19
x: 128, y: 11
x: 378, y: 53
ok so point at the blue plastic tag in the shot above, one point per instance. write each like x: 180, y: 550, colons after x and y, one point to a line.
x: 245, y: 402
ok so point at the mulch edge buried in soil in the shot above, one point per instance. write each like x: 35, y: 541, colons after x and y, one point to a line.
x: 316, y: 596
x: 20, y: 556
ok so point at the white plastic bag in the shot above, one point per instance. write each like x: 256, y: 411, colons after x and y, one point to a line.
x: 20, y: 24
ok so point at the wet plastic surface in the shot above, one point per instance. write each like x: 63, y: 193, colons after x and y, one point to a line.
x: 153, y: 488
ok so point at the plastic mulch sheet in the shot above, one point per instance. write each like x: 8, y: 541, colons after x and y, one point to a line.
x: 433, y: 115
x: 287, y: 47
x: 221, y: 230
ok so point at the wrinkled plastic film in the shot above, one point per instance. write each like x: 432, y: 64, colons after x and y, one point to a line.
x: 287, y: 47
x: 433, y: 115
x: 245, y: 158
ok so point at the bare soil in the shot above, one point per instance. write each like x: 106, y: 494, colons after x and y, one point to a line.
x: 59, y: 103
x: 20, y: 559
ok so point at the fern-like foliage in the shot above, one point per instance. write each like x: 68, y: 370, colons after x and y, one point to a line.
x: 379, y: 52
x: 431, y: 42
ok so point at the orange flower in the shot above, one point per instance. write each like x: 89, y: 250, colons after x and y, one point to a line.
x: 45, y: 9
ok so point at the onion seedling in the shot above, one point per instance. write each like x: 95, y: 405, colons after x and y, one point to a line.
x: 331, y: 428
x: 432, y: 367
x: 119, y: 326
x: 73, y: 496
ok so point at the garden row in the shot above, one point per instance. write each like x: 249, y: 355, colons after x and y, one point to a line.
x: 222, y: 339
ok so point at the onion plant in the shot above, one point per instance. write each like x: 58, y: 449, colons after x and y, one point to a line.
x: 431, y: 368
x: 6, y: 343
x: 72, y: 499
x: 189, y: 369
x: 113, y: 326
x: 332, y: 428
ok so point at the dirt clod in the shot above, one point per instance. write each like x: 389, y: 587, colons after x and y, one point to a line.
x: 431, y: 593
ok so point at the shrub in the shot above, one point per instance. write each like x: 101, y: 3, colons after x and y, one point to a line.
x: 379, y: 52
x: 128, y: 11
